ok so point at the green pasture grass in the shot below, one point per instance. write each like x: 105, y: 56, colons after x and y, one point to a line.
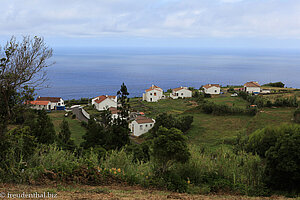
x: 76, y: 129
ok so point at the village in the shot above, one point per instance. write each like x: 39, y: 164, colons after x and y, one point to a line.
x: 140, y: 124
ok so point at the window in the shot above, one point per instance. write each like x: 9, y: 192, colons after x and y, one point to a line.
x: 154, y: 93
x: 150, y: 125
x: 150, y: 94
x: 141, y: 127
x: 146, y: 125
x: 215, y: 91
x: 181, y: 94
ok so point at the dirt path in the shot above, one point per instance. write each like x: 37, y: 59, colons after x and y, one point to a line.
x: 84, y: 192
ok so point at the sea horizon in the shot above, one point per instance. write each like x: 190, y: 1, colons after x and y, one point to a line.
x: 89, y: 72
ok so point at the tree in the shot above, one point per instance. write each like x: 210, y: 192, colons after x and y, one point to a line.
x: 64, y: 136
x: 43, y: 129
x: 169, y: 147
x: 22, y: 67
x: 124, y: 107
x: 283, y: 160
x: 95, y: 135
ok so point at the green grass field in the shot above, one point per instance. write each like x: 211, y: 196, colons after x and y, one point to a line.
x: 210, y: 130
x: 76, y: 129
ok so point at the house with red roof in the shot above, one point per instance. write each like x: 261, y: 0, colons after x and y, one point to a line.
x: 141, y: 125
x: 252, y: 87
x: 153, y: 94
x: 211, y: 89
x: 39, y: 105
x: 181, y: 92
x: 104, y: 102
x: 56, y: 102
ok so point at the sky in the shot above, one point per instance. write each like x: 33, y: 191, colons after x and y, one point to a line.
x: 162, y: 23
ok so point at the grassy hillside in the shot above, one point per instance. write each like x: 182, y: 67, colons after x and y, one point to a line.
x: 211, y: 130
x: 76, y: 129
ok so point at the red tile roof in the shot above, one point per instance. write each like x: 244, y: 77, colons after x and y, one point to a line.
x: 153, y: 87
x: 51, y: 99
x: 251, y: 84
x: 180, y: 88
x: 210, y: 85
x: 43, y: 103
x: 100, y: 99
x: 143, y: 120
x: 113, y: 110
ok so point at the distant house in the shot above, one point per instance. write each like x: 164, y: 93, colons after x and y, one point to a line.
x: 252, y: 87
x: 182, y: 92
x: 114, y: 112
x: 153, y: 94
x: 141, y: 125
x: 103, y: 102
x: 212, y: 89
x: 57, y: 103
x: 39, y: 105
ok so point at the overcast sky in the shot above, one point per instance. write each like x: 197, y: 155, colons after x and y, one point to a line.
x: 191, y: 23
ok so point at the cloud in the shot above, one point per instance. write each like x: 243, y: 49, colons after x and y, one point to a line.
x: 152, y: 18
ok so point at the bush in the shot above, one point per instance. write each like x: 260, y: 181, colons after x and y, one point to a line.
x: 297, y: 115
x: 216, y: 109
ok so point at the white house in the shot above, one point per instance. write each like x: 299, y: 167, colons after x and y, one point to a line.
x: 153, y: 94
x: 56, y: 102
x: 252, y: 87
x: 39, y: 105
x: 114, y: 112
x: 104, y: 102
x: 141, y: 125
x: 182, y: 92
x: 114, y: 98
x: 212, y: 89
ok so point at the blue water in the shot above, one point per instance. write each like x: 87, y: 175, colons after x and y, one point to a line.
x: 89, y: 72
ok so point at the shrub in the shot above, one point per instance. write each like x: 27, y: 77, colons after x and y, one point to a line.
x: 297, y: 115
x: 169, y: 147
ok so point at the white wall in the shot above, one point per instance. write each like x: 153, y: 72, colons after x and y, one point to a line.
x: 40, y: 107
x: 107, y: 103
x: 183, y: 93
x: 140, y: 129
x: 153, y: 95
x: 212, y: 90
x: 252, y: 89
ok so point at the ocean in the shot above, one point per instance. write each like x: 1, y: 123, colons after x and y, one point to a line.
x: 90, y: 72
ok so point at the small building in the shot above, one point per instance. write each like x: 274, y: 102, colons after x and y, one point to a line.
x: 103, y: 102
x: 114, y: 112
x: 141, y: 125
x: 153, y: 94
x: 212, y: 89
x: 252, y: 87
x: 57, y: 103
x: 39, y: 105
x: 181, y: 92
x: 114, y: 98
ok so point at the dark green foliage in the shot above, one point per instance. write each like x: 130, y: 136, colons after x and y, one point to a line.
x: 105, y: 118
x: 43, y: 128
x: 283, y: 161
x: 169, y: 121
x: 262, y: 102
x: 196, y: 94
x: 124, y: 107
x: 169, y: 90
x: 231, y: 90
x: 172, y: 181
x: 141, y: 152
x: 64, y: 136
x: 297, y: 115
x: 286, y: 102
x: 276, y: 84
x: 16, y: 147
x: 222, y: 109
x: 169, y: 147
x: 94, y: 136
x: 280, y: 148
